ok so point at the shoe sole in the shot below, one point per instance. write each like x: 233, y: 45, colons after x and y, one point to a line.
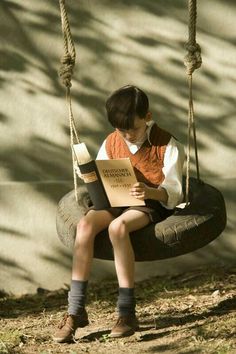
x: 62, y: 340
x: 126, y: 334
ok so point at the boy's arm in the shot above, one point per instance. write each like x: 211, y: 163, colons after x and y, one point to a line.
x: 173, y: 172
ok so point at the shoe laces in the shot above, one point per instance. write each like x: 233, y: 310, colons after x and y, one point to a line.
x: 63, y: 321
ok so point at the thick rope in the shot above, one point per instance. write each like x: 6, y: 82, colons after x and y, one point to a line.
x: 65, y: 73
x: 192, y: 61
x: 193, y: 58
x: 68, y: 58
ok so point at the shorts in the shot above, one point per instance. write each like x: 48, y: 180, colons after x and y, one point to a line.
x: 153, y: 209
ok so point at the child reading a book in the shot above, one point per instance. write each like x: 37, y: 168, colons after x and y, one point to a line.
x: 157, y: 158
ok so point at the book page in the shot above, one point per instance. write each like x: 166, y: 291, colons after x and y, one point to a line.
x: 118, y: 177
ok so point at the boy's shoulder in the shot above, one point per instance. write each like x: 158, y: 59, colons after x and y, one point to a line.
x: 113, y: 138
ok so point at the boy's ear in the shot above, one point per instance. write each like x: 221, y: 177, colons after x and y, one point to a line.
x: 148, y: 116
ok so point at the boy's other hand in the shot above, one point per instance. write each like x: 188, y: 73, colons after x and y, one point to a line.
x: 140, y: 191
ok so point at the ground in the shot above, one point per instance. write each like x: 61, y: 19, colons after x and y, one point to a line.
x: 194, y: 312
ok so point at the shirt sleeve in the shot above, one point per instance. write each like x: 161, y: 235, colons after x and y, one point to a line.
x: 102, y: 153
x: 173, y: 170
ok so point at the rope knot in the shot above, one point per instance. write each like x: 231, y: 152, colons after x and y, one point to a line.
x: 66, y: 69
x: 193, y: 59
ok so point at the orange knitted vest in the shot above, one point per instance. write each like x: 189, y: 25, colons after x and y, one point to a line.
x: 148, y: 160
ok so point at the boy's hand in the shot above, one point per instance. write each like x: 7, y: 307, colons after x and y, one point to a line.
x: 140, y: 191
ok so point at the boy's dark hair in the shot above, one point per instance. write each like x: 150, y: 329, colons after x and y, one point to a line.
x: 124, y: 105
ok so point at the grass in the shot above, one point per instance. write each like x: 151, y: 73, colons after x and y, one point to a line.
x: 194, y: 312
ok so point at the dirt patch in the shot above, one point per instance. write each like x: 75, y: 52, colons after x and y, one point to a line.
x: 190, y: 313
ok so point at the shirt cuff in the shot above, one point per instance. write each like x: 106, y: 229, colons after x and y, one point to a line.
x: 175, y: 196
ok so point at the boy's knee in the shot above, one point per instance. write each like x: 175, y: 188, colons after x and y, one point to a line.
x: 84, y: 225
x: 84, y: 232
x: 117, y: 230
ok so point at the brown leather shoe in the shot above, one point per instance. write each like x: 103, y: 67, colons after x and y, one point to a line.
x: 68, y: 326
x: 125, y: 326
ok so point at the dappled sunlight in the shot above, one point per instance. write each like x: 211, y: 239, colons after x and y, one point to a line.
x: 39, y: 161
x: 28, y: 231
x: 57, y: 256
x: 139, y: 42
x: 18, y: 40
x: 12, y: 232
x: 11, y: 269
x: 214, y: 24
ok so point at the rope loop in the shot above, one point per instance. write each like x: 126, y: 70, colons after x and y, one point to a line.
x: 66, y: 69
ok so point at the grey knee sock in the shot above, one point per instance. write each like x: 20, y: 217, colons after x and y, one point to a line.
x: 77, y: 296
x: 126, y: 302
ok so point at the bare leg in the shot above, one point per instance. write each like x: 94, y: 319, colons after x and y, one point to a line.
x: 89, y: 226
x: 119, y: 230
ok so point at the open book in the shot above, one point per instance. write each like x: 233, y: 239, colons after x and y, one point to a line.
x: 108, y: 181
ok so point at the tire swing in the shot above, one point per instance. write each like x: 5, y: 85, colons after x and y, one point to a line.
x: 197, y: 224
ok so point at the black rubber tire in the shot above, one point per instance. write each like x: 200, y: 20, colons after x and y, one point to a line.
x: 185, y: 231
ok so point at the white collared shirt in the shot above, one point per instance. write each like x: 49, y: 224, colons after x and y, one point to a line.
x: 172, y: 169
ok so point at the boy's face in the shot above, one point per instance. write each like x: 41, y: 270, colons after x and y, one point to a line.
x: 139, y: 130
